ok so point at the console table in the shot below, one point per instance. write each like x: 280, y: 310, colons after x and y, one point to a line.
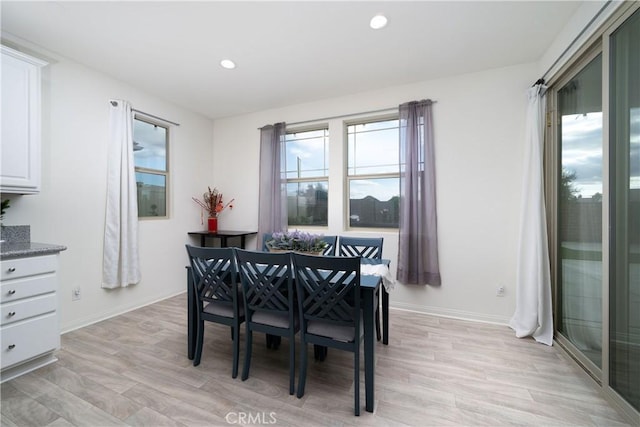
x: 224, y: 236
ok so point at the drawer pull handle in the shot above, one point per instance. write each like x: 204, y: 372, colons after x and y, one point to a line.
x: 12, y: 346
x: 11, y: 291
x: 11, y: 314
x: 11, y: 269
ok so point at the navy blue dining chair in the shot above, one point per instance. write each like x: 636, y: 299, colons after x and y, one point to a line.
x: 265, y: 237
x: 366, y: 247
x: 268, y: 297
x: 330, y: 250
x: 328, y: 292
x: 213, y: 278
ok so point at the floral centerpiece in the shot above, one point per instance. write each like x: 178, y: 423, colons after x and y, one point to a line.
x: 213, y: 203
x: 297, y: 241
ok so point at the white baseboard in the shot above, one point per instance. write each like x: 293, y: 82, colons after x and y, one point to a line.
x: 86, y: 321
x: 452, y: 314
x: 433, y: 311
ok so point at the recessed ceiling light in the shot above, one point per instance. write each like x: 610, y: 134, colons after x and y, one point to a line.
x: 378, y: 21
x: 228, y: 64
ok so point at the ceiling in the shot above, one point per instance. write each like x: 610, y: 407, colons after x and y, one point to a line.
x: 286, y: 52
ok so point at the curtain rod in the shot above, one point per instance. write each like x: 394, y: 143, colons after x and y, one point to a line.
x: 115, y: 104
x: 542, y: 79
x: 383, y: 110
x: 155, y: 117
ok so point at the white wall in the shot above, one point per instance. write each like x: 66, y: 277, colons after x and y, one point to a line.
x: 479, y: 136
x: 70, y: 208
x: 577, y: 31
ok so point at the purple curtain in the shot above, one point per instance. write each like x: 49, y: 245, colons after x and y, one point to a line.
x: 273, y: 196
x: 418, y: 243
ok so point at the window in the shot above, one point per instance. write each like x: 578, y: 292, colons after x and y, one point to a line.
x: 150, y: 147
x: 307, y: 174
x: 373, y: 174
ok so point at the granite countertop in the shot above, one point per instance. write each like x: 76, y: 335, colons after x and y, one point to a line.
x: 24, y: 249
x: 16, y: 243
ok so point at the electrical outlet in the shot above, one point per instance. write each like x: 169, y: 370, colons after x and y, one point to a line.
x: 75, y: 294
x: 500, y: 291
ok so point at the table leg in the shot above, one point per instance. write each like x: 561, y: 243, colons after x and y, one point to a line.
x: 191, y: 321
x: 203, y: 240
x: 243, y: 240
x: 385, y: 316
x: 369, y: 347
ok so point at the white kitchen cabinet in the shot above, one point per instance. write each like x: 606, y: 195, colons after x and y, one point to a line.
x: 29, y: 325
x: 21, y: 107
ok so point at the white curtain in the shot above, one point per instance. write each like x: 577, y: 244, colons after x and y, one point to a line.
x: 120, y: 264
x: 533, y: 315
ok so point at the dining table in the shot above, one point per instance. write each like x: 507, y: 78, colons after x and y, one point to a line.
x: 370, y: 285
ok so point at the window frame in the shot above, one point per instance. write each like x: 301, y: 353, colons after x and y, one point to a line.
x: 311, y: 179
x: 348, y: 178
x: 166, y: 173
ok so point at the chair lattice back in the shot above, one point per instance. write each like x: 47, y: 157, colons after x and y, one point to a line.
x: 365, y: 247
x: 214, y: 274
x: 331, y: 245
x: 328, y: 288
x: 265, y: 237
x: 266, y: 280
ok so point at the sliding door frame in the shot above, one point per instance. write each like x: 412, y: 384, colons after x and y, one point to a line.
x: 598, y: 43
x: 554, y: 162
x: 617, y: 20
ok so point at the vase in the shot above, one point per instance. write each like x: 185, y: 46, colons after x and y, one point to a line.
x: 212, y: 224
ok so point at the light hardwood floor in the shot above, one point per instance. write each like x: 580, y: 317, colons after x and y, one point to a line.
x: 133, y: 370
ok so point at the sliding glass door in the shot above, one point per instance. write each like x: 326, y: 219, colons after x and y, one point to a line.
x: 579, y: 251
x: 624, y: 277
x: 593, y: 189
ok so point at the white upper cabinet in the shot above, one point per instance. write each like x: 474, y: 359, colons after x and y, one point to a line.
x: 20, y: 144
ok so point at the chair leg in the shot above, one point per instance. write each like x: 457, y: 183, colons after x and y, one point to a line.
x: 356, y: 379
x: 292, y: 364
x: 302, y: 376
x: 247, y: 354
x: 199, y: 339
x: 378, y: 334
x: 236, y: 349
x: 320, y: 352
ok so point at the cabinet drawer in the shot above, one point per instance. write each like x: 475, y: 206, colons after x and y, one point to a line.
x: 31, y: 286
x: 23, y: 309
x: 24, y: 340
x: 24, y: 267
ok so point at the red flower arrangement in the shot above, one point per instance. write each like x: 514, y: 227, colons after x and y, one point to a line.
x: 212, y: 202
